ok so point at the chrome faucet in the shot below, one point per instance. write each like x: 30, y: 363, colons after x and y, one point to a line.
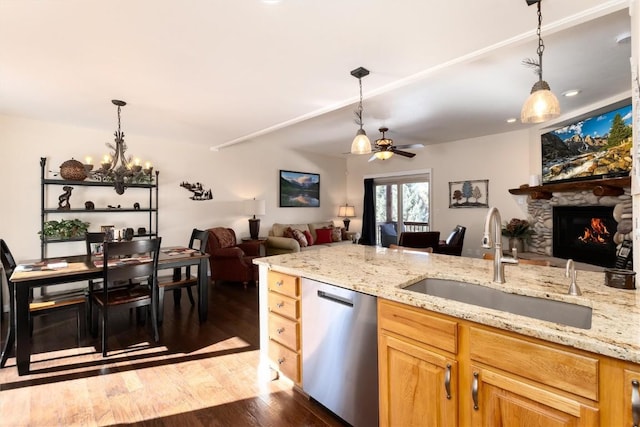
x: 571, y: 272
x: 493, y: 219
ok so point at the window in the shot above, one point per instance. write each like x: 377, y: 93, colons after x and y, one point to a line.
x: 402, y: 204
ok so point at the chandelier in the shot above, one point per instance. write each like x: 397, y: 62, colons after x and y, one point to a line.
x: 117, y: 167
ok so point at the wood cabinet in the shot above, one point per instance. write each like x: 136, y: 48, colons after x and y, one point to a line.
x: 440, y: 370
x: 418, y: 375
x: 284, y: 324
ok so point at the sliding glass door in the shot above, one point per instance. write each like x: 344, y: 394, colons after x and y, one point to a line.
x: 402, y: 204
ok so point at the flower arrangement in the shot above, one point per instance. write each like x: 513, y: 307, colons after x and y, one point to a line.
x: 518, y: 228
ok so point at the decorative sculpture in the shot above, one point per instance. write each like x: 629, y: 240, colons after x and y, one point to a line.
x: 88, y: 205
x: 198, y: 192
x: 63, y: 200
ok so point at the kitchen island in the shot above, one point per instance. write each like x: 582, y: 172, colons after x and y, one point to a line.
x: 614, y: 332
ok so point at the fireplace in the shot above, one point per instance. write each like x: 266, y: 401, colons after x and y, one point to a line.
x: 585, y: 233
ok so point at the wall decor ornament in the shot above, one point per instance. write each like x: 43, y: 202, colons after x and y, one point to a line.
x: 89, y: 205
x: 469, y: 194
x: 198, y: 191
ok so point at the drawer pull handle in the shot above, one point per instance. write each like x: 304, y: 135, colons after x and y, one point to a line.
x: 635, y: 402
x: 280, y: 331
x: 447, y: 381
x: 474, y: 391
x: 281, y: 360
x: 279, y: 283
x: 280, y: 304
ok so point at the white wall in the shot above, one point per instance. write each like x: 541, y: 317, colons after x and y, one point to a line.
x: 502, y: 159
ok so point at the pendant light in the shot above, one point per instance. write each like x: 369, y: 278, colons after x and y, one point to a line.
x: 542, y: 104
x: 361, y: 143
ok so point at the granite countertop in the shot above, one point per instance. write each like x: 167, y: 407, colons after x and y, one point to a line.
x: 615, y: 329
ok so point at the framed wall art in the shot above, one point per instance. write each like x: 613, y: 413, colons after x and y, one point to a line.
x: 469, y: 194
x: 299, y: 189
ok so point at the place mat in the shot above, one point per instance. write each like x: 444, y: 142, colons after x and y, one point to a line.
x: 43, y: 270
x: 178, y: 251
x: 122, y: 261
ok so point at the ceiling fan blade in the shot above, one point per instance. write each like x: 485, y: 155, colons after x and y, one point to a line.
x: 409, y: 146
x: 404, y: 153
x: 372, y: 158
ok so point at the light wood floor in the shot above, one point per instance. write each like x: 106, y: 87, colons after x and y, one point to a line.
x: 198, y: 375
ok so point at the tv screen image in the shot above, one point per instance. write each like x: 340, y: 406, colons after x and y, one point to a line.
x: 596, y: 147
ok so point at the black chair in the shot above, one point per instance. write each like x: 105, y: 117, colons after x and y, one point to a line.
x: 419, y: 239
x: 176, y: 282
x: 453, y: 244
x: 45, y: 304
x: 123, y: 263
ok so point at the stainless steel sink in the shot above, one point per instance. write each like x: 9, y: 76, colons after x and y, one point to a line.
x: 564, y: 313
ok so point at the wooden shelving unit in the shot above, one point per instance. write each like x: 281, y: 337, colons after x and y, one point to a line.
x: 600, y: 187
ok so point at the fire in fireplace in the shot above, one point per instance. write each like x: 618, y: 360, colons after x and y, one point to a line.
x: 584, y: 233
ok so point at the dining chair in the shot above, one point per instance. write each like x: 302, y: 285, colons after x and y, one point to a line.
x: 38, y: 306
x: 124, y: 263
x: 419, y: 239
x: 178, y: 281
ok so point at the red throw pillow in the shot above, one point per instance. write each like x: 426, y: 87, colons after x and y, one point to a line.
x: 309, y: 237
x: 323, y: 235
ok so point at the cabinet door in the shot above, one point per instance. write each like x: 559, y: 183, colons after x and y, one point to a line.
x: 500, y: 400
x: 418, y: 387
x: 631, y: 397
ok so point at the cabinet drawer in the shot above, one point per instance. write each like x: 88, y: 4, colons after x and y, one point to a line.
x: 287, y: 361
x: 414, y: 323
x: 284, y: 305
x: 284, y: 284
x: 285, y: 331
x: 566, y: 371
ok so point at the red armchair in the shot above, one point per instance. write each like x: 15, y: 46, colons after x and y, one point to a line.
x: 229, y: 260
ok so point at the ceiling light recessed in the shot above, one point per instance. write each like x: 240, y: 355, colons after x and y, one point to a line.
x: 570, y: 93
x: 511, y: 120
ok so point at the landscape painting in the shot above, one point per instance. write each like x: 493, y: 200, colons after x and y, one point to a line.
x: 469, y: 194
x: 299, y: 189
x: 598, y: 146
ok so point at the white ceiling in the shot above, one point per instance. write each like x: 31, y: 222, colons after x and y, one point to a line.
x: 218, y: 72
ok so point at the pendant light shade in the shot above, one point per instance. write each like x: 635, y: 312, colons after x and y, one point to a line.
x: 383, y: 155
x: 361, y: 143
x: 542, y: 104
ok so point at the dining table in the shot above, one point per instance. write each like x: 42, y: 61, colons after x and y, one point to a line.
x: 31, y: 274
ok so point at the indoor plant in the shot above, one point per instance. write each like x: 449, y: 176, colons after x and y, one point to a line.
x: 518, y: 231
x: 64, y: 229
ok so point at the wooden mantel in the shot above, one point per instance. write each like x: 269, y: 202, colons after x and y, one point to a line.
x: 600, y: 187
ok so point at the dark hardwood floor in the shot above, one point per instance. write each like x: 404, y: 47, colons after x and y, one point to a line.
x: 198, y: 375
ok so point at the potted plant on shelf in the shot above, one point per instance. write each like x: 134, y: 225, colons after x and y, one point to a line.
x: 64, y: 229
x: 518, y: 231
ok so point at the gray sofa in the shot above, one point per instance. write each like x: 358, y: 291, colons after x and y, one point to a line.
x: 277, y: 244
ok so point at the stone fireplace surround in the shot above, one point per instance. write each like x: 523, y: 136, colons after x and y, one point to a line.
x: 540, y: 215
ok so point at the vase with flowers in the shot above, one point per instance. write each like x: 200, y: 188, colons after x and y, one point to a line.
x: 518, y: 231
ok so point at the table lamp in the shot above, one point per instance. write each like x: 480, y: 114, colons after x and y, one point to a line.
x: 346, y: 212
x: 254, y: 207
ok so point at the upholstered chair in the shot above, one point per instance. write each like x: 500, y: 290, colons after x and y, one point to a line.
x: 229, y: 260
x: 453, y: 244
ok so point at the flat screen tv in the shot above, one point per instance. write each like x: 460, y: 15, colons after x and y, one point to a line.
x: 598, y: 146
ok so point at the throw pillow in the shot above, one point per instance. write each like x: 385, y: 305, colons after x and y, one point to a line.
x: 299, y: 236
x: 309, y: 237
x: 324, y: 236
x: 336, y: 234
x: 288, y: 232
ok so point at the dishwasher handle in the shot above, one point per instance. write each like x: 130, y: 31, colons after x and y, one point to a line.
x: 335, y: 298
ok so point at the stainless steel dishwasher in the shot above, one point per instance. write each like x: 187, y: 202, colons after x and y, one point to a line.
x: 340, y: 351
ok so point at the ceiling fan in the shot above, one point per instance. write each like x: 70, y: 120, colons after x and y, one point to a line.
x: 384, y: 148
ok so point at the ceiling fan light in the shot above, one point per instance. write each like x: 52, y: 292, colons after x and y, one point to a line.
x: 383, y: 155
x: 541, y: 105
x: 361, y: 143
